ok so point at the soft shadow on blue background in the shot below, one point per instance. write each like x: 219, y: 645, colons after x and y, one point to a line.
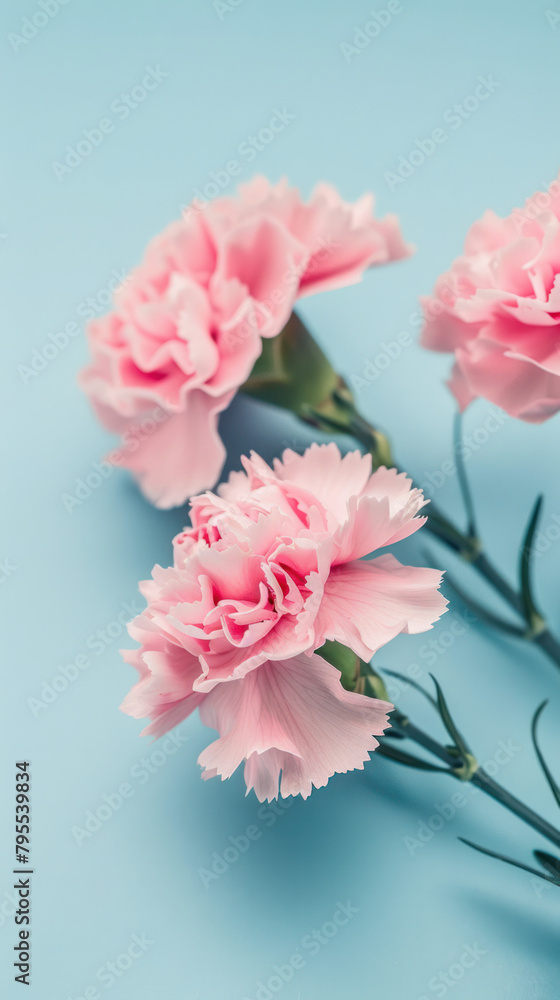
x: 141, y: 872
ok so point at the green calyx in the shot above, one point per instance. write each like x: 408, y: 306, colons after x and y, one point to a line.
x: 468, y: 766
x: 356, y: 675
x: 293, y: 372
x: 344, y: 660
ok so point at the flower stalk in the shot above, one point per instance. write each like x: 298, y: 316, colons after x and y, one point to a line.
x: 469, y: 547
x: 456, y: 768
x: 294, y: 373
x: 455, y: 758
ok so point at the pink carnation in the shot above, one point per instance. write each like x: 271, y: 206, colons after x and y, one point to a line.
x: 270, y: 569
x: 187, y: 324
x: 498, y: 310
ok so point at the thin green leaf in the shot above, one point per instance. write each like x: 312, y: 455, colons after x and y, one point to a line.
x: 549, y: 862
x: 482, y: 613
x: 449, y: 724
x: 414, y: 684
x: 462, y: 477
x: 439, y: 527
x: 554, y: 787
x: 406, y: 758
x: 529, y: 608
x: 510, y: 861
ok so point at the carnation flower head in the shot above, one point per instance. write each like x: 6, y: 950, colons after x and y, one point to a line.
x: 188, y: 324
x: 270, y: 569
x: 498, y: 310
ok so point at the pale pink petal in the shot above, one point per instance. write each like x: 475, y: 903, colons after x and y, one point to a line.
x: 368, y: 603
x: 459, y: 385
x: 191, y: 318
x: 498, y: 311
x: 182, y: 456
x: 443, y: 328
x: 346, y: 239
x: 521, y: 388
x: 384, y: 514
x: 265, y: 574
x: 165, y: 688
x: 327, y: 475
x: 291, y: 722
x: 258, y: 253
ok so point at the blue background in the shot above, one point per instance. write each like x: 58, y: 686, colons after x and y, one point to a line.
x: 61, y: 239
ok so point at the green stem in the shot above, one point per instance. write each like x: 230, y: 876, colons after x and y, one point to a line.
x: 464, y: 544
x: 480, y: 778
x: 447, y: 533
x: 292, y: 372
x: 406, y: 728
x: 482, y: 565
x: 549, y: 644
x: 487, y: 784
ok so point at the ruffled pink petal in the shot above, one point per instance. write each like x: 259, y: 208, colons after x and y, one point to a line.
x: 165, y: 688
x: 527, y: 342
x: 443, y: 331
x: 182, y: 456
x: 191, y: 318
x: 488, y: 234
x: 384, y: 514
x: 366, y: 604
x: 324, y: 473
x: 236, y: 485
x: 345, y: 239
x: 258, y: 253
x: 498, y: 310
x: 520, y: 388
x: 291, y: 722
x: 186, y: 247
x: 459, y: 386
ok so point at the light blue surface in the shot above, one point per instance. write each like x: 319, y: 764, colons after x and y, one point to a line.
x: 139, y: 873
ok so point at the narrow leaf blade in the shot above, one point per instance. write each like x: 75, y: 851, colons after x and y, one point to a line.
x: 417, y: 687
x: 529, y: 608
x: 488, y: 617
x: 462, y: 477
x: 549, y: 862
x: 510, y: 861
x: 553, y: 784
x: 407, y: 759
x: 448, y: 722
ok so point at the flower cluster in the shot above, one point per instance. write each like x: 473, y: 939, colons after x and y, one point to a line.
x: 188, y: 323
x: 281, y: 589
x: 270, y: 569
x: 498, y: 311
